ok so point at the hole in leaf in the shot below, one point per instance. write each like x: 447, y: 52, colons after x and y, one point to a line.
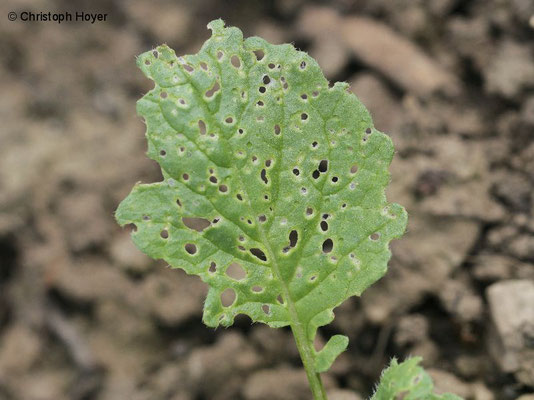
x: 236, y: 62
x: 163, y: 153
x: 146, y: 218
x: 260, y: 103
x: 155, y: 53
x: 368, y: 130
x: 293, y: 238
x: 315, y: 94
x: 303, y: 65
x: 314, y: 144
x: 316, y: 174
x: 229, y: 120
x: 264, y: 176
x: 266, y: 309
x: 204, y: 66
x: 266, y: 80
x: 303, y: 190
x: 328, y: 245
x: 325, y: 216
x: 258, y: 253
x: 324, y: 226
x: 271, y: 66
x: 239, y: 197
x: 312, y: 278
x: 147, y: 62
x: 182, y: 101
x: 268, y: 163
x: 309, y: 211
x: 304, y: 116
x: 198, y: 224
x: 335, y: 179
x: 179, y: 202
x: 191, y: 248
x: 188, y: 68
x: 375, y: 236
x: 277, y: 129
x: 259, y: 54
x: 262, y: 89
x: 164, y: 234
x: 262, y: 218
x: 223, y: 188
x: 257, y: 289
x: 228, y: 297
x: 163, y: 95
x: 236, y: 271
x: 354, y: 169
x: 323, y: 166
x: 280, y: 299
x: 213, y: 179
x: 213, y: 267
x: 186, y: 177
x: 296, y: 171
x: 241, y: 248
x: 304, y: 96
x: 220, y: 54
x: 213, y: 90
x: 202, y: 127
x: 215, y: 220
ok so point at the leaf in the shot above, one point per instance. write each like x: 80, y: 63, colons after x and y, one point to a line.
x: 269, y: 171
x: 407, y: 381
x: 335, y: 346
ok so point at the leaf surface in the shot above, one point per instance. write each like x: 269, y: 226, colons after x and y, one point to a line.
x: 273, y: 190
x: 407, y: 381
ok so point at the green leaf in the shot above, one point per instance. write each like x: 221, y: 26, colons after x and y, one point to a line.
x: 273, y: 190
x: 408, y: 381
x: 335, y: 346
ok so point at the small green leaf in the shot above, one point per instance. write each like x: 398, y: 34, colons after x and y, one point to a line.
x: 333, y: 348
x: 267, y: 171
x: 408, y: 381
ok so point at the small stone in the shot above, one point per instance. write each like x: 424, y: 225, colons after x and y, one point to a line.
x: 411, y: 329
x: 510, y: 70
x: 512, y: 313
x: 127, y: 256
x: 20, y: 349
x: 282, y: 383
x: 341, y: 394
x: 461, y: 301
x: 445, y: 382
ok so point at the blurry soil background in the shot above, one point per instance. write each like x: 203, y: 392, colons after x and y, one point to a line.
x: 84, y: 315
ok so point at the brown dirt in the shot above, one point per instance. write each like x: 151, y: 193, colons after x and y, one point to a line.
x: 84, y: 315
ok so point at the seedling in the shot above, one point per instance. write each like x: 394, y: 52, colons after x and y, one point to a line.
x: 273, y: 191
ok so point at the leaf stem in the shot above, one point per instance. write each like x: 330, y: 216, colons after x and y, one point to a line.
x: 306, y: 354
